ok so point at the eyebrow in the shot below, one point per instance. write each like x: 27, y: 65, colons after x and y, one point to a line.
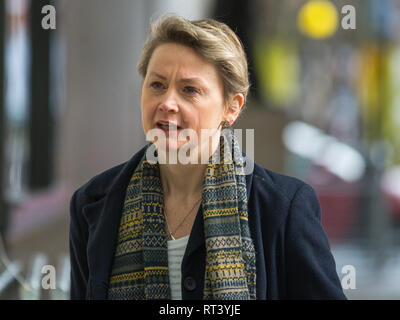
x: 193, y: 79
x: 157, y: 75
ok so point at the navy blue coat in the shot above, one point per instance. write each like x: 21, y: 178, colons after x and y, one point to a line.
x: 293, y: 255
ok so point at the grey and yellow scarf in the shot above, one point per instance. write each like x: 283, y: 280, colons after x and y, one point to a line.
x: 140, y: 267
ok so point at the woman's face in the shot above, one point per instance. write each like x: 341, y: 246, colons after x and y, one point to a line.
x: 181, y: 88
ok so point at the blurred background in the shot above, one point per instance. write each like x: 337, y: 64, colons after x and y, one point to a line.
x: 324, y: 104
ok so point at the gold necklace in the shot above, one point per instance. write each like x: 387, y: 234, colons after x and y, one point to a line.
x: 176, y: 229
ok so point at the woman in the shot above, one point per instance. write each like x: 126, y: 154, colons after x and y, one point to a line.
x: 178, y: 229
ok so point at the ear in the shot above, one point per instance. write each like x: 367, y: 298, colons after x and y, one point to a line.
x: 235, y: 104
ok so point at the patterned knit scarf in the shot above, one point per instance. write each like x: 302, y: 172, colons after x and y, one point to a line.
x: 140, y: 267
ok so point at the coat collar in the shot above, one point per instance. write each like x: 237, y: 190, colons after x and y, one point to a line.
x: 103, y: 232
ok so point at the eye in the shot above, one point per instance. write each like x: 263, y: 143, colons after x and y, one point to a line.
x: 191, y: 90
x: 156, y: 85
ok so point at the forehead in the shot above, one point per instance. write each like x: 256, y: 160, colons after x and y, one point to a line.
x: 170, y: 58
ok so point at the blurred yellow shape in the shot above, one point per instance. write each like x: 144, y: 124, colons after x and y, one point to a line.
x: 278, y: 69
x: 318, y: 19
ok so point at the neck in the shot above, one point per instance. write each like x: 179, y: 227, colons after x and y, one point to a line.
x: 182, y: 181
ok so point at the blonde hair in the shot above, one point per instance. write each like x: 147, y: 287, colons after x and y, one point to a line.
x: 212, y: 40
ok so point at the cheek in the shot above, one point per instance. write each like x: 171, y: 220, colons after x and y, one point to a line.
x: 211, y: 119
x: 147, y: 103
x: 146, y: 113
x: 144, y: 101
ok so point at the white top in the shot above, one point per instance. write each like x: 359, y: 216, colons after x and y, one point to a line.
x: 176, y: 250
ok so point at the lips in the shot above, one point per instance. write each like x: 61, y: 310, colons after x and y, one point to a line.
x: 168, y: 126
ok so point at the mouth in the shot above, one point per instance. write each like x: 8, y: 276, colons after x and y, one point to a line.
x: 167, y: 126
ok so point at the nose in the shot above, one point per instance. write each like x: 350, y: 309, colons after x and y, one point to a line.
x: 169, y: 102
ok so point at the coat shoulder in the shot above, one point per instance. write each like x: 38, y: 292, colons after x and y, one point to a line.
x: 97, y: 186
x: 277, y: 184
